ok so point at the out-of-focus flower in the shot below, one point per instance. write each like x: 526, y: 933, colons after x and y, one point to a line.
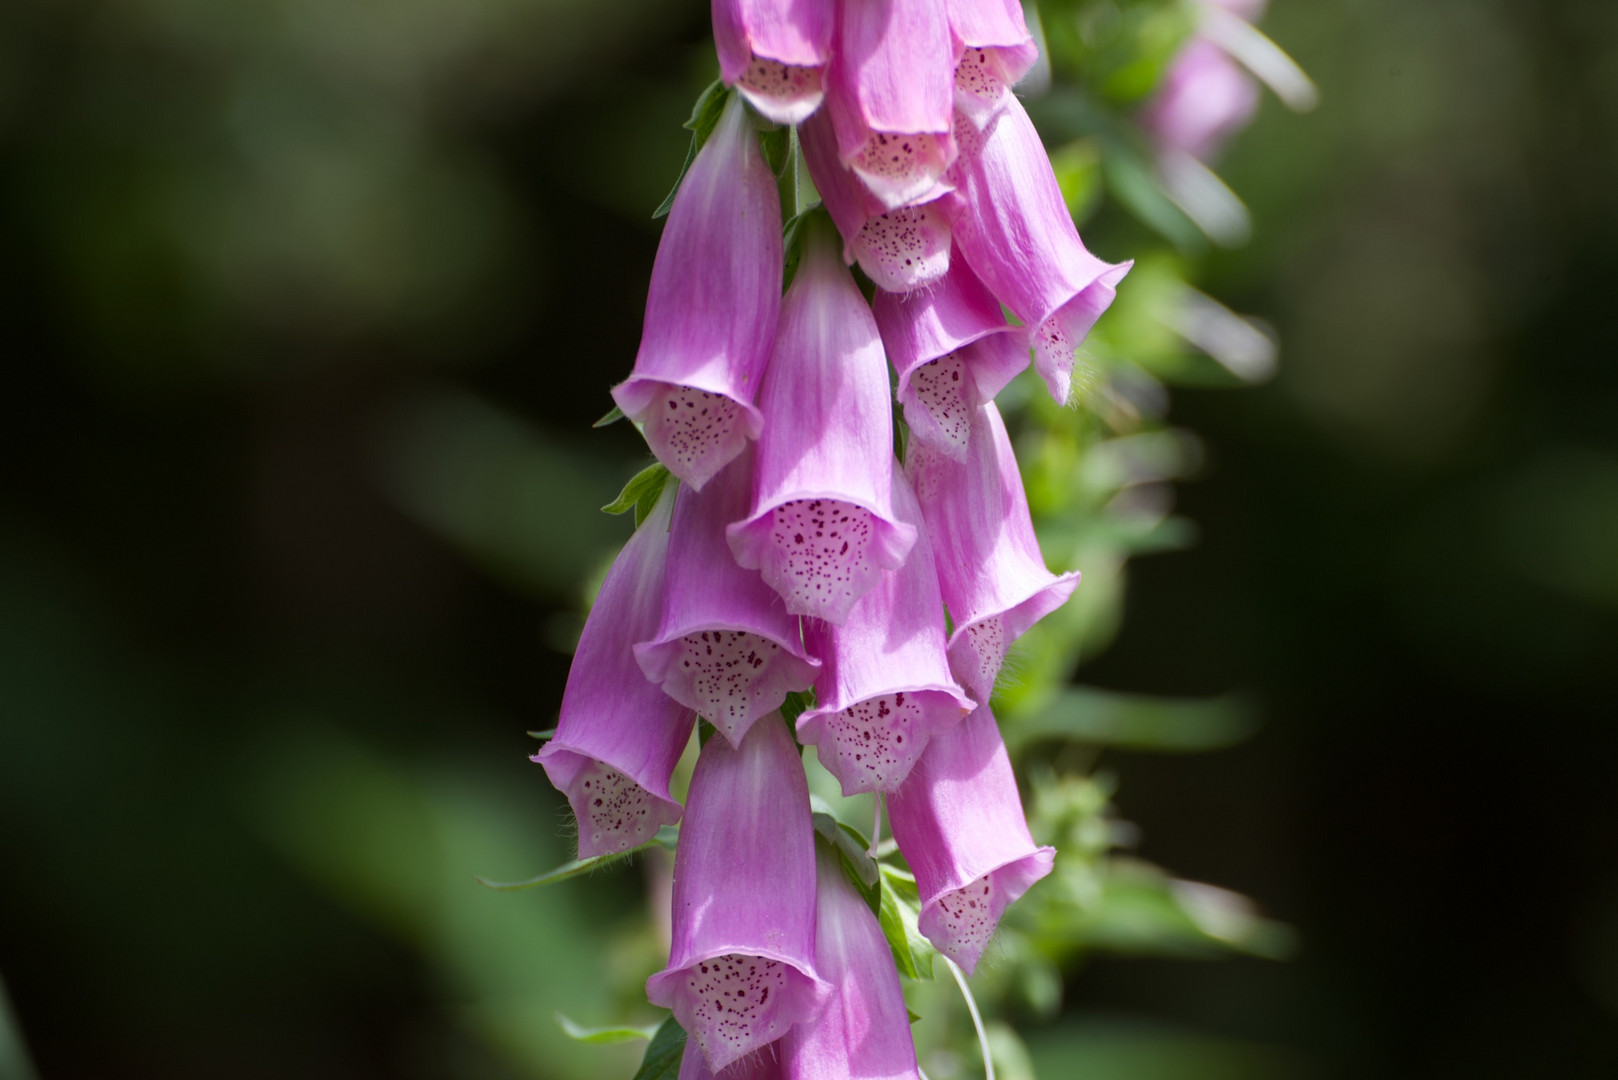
x: 775, y: 52
x: 822, y: 527
x: 1019, y: 237
x: 959, y: 822
x: 886, y: 688
x: 741, y: 967
x: 619, y: 736
x: 712, y: 308
x: 864, y: 1031
x: 990, y: 568
x: 1205, y: 98
x: 725, y: 646
x: 952, y: 351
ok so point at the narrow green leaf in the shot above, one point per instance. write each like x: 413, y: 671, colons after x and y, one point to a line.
x: 548, y: 733
x: 662, y: 1060
x: 581, y: 866
x: 612, y: 417
x: 796, y: 704
x: 643, y: 489
x: 602, y: 1035
x: 704, y: 118
x: 1137, y: 722
x: 899, y: 910
x: 851, y: 846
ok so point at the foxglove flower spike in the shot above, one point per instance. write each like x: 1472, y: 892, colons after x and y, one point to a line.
x: 741, y: 968
x: 618, y: 736
x: 712, y: 307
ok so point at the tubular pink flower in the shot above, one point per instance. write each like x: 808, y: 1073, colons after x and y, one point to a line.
x: 865, y: 1030
x: 1019, y: 237
x: 885, y: 689
x: 822, y: 528
x: 900, y: 249
x: 726, y: 646
x: 775, y: 52
x: 952, y: 350
x: 619, y: 736
x: 990, y: 569
x: 890, y: 96
x: 741, y: 969
x: 762, y: 1064
x: 1206, y: 97
x: 712, y: 308
x: 993, y: 49
x: 960, y: 824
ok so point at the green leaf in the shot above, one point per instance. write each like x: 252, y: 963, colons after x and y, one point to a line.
x: 1132, y: 182
x: 851, y: 846
x: 899, y: 910
x: 641, y: 493
x: 548, y: 733
x: 1137, y: 722
x: 612, y: 417
x: 796, y: 704
x: 581, y: 866
x: 662, y: 1060
x: 603, y: 1035
x: 704, y: 118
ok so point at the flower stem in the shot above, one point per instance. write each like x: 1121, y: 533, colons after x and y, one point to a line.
x: 977, y: 1020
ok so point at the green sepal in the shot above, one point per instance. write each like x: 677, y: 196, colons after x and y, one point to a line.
x: 548, y: 733
x: 704, y: 118
x: 641, y: 493
x: 613, y: 416
x: 603, y: 1035
x: 797, y: 703
x: 663, y: 1054
x: 583, y: 866
x: 900, y: 907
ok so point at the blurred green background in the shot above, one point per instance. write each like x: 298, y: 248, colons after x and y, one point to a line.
x: 306, y: 307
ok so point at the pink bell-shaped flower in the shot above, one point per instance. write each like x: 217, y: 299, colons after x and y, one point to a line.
x: 886, y: 688
x: 960, y: 824
x: 994, y: 48
x: 712, y: 307
x: 726, y: 646
x: 900, y: 249
x: 990, y: 568
x: 775, y: 52
x: 864, y: 1031
x: 619, y: 736
x: 1020, y: 239
x: 822, y: 527
x: 952, y: 351
x: 741, y: 968
x: 1206, y: 97
x: 891, y: 95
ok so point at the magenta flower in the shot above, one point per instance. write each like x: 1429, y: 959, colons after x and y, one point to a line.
x: 1206, y: 97
x: 899, y: 249
x: 990, y: 569
x: 741, y: 969
x: 891, y: 95
x: 995, y: 50
x: 1020, y: 239
x: 865, y: 1030
x: 952, y: 350
x: 726, y: 646
x: 886, y: 688
x: 960, y: 824
x: 712, y: 308
x: 618, y: 736
x: 775, y: 52
x: 822, y: 528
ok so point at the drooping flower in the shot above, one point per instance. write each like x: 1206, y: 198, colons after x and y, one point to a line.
x: 994, y: 50
x: 741, y: 968
x: 726, y: 645
x: 1018, y: 235
x: 886, y: 688
x: 775, y: 52
x: 1205, y: 98
x: 990, y: 569
x: 712, y: 308
x: 952, y: 351
x: 822, y: 527
x: 865, y: 1030
x: 900, y: 249
x: 619, y: 736
x: 891, y: 95
x: 959, y: 821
